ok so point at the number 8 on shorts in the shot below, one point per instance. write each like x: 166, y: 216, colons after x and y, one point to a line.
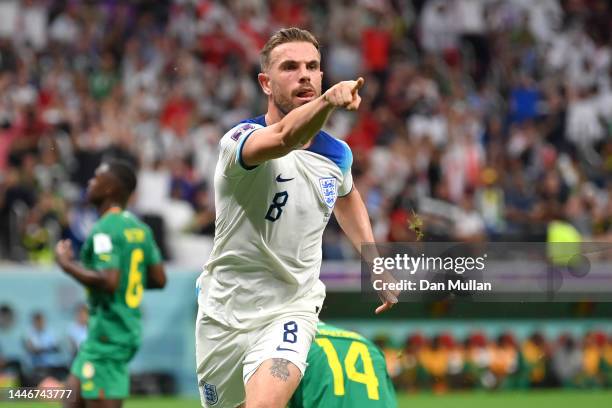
x: 290, y: 333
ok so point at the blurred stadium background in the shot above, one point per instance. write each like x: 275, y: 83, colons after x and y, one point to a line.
x: 482, y: 120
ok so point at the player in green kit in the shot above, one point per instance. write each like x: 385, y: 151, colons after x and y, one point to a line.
x: 119, y: 260
x: 344, y: 370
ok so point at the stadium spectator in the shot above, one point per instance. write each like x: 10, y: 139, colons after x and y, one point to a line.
x: 203, y: 221
x: 477, y: 360
x: 411, y: 371
x: 7, y: 318
x: 434, y: 358
x: 591, y: 361
x: 504, y: 361
x: 456, y: 361
x: 534, y: 361
x: 392, y: 355
x: 44, y: 350
x: 77, y: 331
x: 606, y: 362
x: 567, y: 361
x: 11, y: 371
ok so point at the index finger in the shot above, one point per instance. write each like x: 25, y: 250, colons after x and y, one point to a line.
x: 384, y: 307
x: 358, y: 84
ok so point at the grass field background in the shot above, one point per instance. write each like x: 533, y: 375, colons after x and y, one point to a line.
x: 531, y: 399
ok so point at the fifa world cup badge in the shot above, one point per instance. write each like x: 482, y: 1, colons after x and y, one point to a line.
x: 240, y: 131
x: 329, y: 190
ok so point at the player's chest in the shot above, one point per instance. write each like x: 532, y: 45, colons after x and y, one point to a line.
x: 304, y: 182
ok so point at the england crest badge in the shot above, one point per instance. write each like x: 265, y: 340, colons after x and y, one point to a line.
x: 210, y: 393
x: 329, y: 190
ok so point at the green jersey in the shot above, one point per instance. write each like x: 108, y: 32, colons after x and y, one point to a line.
x: 117, y: 241
x: 344, y: 370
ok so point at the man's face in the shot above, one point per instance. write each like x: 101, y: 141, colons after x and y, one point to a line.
x: 39, y: 322
x: 6, y: 319
x: 100, y: 185
x: 294, y: 75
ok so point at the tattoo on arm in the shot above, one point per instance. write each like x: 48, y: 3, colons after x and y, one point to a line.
x: 280, y: 369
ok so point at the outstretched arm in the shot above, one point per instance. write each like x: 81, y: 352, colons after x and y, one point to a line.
x: 300, y: 125
x: 352, y: 216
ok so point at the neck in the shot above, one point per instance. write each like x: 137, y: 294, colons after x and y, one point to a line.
x: 109, y: 205
x: 274, y: 114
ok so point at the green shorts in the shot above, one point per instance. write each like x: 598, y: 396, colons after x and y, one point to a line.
x: 101, y: 378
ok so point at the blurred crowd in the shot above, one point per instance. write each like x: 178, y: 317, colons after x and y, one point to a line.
x: 442, y: 362
x: 40, y: 351
x: 480, y: 120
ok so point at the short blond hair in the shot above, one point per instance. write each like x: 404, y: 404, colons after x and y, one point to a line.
x: 283, y: 36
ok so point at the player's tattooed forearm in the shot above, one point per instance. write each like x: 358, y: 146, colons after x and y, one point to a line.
x: 280, y: 369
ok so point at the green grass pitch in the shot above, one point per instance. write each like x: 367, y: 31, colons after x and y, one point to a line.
x: 528, y: 399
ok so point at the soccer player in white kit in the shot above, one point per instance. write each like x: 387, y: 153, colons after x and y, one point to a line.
x: 277, y: 181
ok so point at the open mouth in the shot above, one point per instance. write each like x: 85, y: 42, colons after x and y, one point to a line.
x: 305, y: 94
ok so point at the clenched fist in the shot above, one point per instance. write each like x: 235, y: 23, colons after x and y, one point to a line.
x: 64, y: 252
x: 345, y: 94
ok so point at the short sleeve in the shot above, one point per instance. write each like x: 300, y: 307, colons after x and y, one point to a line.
x: 230, y: 152
x: 347, y: 161
x: 153, y: 254
x: 105, y: 251
x: 347, y: 184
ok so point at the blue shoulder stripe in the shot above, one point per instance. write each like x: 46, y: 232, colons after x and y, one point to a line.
x: 335, y: 150
x: 323, y: 143
x: 259, y: 120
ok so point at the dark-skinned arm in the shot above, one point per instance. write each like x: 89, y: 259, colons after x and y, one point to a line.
x: 156, y: 276
x: 106, y: 280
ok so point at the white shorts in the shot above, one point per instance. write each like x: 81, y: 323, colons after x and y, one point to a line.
x: 226, y: 358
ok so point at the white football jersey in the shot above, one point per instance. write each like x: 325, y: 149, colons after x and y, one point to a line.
x: 269, y: 225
